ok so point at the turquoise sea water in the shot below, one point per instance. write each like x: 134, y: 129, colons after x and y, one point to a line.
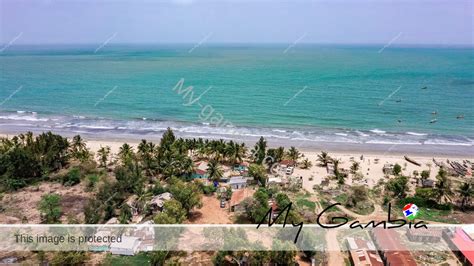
x: 350, y: 94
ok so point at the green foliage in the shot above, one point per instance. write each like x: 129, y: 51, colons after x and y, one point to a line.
x: 257, y: 207
x: 259, y: 173
x: 425, y: 193
x: 259, y: 151
x: 324, y: 159
x: 70, y: 258
x: 24, y: 158
x: 72, y: 178
x: 214, y: 170
x: 466, y: 192
x: 207, y: 189
x: 425, y: 174
x: 92, y: 213
x: 103, y: 155
x: 129, y: 177
x: 78, y: 149
x: 173, y: 213
x: 397, y: 169
x: 293, y: 154
x: 398, y: 186
x: 125, y: 214
x: 50, y: 208
x: 443, y: 186
x: 188, y: 194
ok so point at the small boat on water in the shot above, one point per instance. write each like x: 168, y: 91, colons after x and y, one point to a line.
x: 424, y: 88
x: 412, y: 161
x: 434, y: 113
x: 460, y: 117
x: 433, y: 121
x: 399, y: 101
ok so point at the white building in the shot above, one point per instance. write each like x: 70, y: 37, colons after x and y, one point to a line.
x: 128, y: 246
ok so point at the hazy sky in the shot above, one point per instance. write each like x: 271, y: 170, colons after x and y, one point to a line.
x: 264, y: 21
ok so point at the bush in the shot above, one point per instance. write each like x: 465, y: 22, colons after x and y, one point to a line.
x: 208, y: 190
x: 397, y: 169
x: 72, y: 178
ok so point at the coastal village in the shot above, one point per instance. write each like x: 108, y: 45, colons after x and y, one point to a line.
x: 197, y: 181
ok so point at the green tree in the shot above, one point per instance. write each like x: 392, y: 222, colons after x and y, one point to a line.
x: 214, y: 171
x: 259, y: 173
x: 125, y: 214
x: 324, y: 159
x: 466, y: 192
x: 173, y: 213
x: 103, y: 155
x: 443, y: 186
x: 398, y: 186
x: 425, y: 174
x: 397, y: 169
x: 92, y: 213
x: 188, y: 194
x: 259, y: 151
x: 293, y: 154
x: 126, y: 154
x: 79, y: 149
x: 306, y: 164
x: 50, y: 208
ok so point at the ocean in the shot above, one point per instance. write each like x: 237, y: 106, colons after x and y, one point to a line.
x: 303, y: 93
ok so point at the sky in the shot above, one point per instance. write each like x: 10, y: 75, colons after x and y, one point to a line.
x: 434, y: 22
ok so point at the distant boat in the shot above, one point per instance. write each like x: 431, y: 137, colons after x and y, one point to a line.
x: 399, y: 100
x: 434, y: 113
x: 399, y: 120
x: 433, y: 121
x: 460, y: 117
x: 424, y: 88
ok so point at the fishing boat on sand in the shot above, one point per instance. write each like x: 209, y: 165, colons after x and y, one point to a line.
x: 412, y: 161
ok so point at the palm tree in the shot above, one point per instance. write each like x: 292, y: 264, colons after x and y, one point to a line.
x: 126, y: 153
x: 145, y: 151
x: 79, y: 149
x: 214, y: 171
x: 306, y: 164
x: 466, y: 192
x: 103, y: 155
x: 443, y: 186
x: 293, y: 154
x: 323, y: 159
x: 259, y: 151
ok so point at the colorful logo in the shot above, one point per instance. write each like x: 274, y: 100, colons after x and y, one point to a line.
x: 410, y: 211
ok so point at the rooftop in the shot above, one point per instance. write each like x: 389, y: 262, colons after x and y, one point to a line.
x: 464, y: 243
